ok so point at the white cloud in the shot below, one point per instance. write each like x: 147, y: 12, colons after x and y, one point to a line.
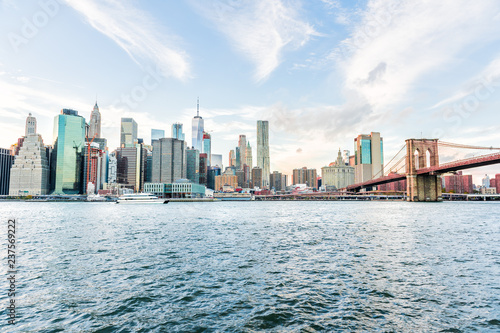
x: 396, y: 43
x: 136, y: 33
x: 259, y: 29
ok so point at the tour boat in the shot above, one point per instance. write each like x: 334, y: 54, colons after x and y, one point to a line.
x: 140, y: 198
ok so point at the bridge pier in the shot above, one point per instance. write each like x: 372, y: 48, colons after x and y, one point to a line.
x: 421, y: 153
x: 423, y: 187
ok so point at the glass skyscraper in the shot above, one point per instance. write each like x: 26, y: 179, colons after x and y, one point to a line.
x: 207, y: 147
x: 263, y: 160
x: 369, y: 157
x: 157, y: 134
x: 69, y: 140
x: 197, y: 129
x: 177, y: 132
x: 128, y: 132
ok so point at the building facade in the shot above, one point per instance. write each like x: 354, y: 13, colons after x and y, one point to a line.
x: 6, y: 160
x: 242, y: 145
x: 212, y: 172
x: 156, y: 134
x: 276, y: 182
x: 193, y: 165
x: 69, y: 136
x: 458, y: 183
x: 256, y: 177
x: 249, y: 160
x: 369, y: 157
x: 197, y: 129
x: 337, y: 174
x: 131, y: 167
x: 177, y: 132
x: 203, y: 168
x: 223, y: 180
x: 207, y: 147
x: 95, y: 123
x: 305, y: 176
x: 263, y: 160
x: 169, y: 160
x: 128, y: 132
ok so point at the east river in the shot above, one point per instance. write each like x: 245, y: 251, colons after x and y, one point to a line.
x: 254, y: 266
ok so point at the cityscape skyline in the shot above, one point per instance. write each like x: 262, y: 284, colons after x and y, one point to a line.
x: 343, y: 69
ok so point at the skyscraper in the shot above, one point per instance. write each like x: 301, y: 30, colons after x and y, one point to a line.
x: 95, y: 123
x: 203, y: 169
x: 237, y: 158
x: 197, y: 129
x: 177, y: 132
x: 305, y: 176
x: 128, y: 132
x: 131, y: 166
x: 242, y: 144
x: 232, y: 158
x: 257, y: 177
x: 207, y: 147
x: 156, y: 134
x: 6, y: 159
x: 263, y: 161
x: 30, y: 173
x: 193, y: 165
x: 369, y: 157
x: 169, y: 160
x: 249, y: 161
x: 69, y: 140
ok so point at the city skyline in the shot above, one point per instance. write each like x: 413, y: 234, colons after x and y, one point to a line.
x: 340, y: 70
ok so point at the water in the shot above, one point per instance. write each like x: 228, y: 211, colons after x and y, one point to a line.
x: 255, y: 266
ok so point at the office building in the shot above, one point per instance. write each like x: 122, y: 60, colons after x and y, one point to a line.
x: 257, y: 177
x: 197, y: 129
x: 69, y: 141
x: 95, y: 123
x: 237, y: 158
x: 275, y: 181
x: 177, y: 132
x: 240, y: 174
x: 94, y: 167
x: 497, y: 182
x: 207, y: 147
x: 212, y: 172
x: 128, y: 132
x: 157, y: 134
x: 131, y: 166
x: 148, y: 177
x: 112, y: 165
x: 193, y: 165
x: 263, y: 160
x: 6, y: 160
x: 181, y: 188
x: 486, y: 181
x: 216, y: 160
x: 232, y: 158
x: 369, y: 157
x: 305, y: 176
x: 203, y: 168
x: 30, y: 173
x: 242, y: 145
x: 225, y: 180
x: 337, y: 174
x: 249, y: 161
x: 169, y: 160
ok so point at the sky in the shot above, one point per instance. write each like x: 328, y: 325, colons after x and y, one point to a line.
x: 320, y: 71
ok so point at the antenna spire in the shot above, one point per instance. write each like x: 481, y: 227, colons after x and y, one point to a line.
x: 198, y: 108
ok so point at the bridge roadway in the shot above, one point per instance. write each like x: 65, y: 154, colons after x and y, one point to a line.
x: 468, y: 163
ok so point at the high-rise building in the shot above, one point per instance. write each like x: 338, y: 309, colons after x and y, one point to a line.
x: 148, y: 177
x: 263, y: 160
x: 305, y: 176
x: 131, y: 166
x: 197, y: 129
x: 369, y: 157
x: 30, y: 172
x: 193, y: 165
x: 207, y: 147
x: 69, y: 141
x: 458, y: 183
x: 241, y: 178
x: 112, y: 165
x: 169, y: 160
x: 212, y: 172
x: 249, y: 161
x: 128, y: 132
x: 225, y: 180
x: 275, y: 181
x: 257, y: 177
x: 216, y: 160
x: 94, y: 167
x: 337, y: 174
x: 203, y: 168
x: 242, y: 145
x: 345, y: 156
x: 156, y: 134
x: 284, y: 182
x: 30, y: 126
x: 237, y: 158
x: 177, y: 132
x: 6, y: 160
x: 95, y: 123
x: 486, y: 181
x: 232, y: 158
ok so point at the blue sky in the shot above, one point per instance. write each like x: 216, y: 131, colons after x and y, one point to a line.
x: 321, y: 71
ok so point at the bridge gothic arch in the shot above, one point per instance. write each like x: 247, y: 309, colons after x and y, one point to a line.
x: 422, y: 153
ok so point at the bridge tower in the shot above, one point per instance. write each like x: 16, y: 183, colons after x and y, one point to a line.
x: 422, y: 153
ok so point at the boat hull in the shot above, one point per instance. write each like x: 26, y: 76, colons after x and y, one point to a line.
x: 139, y: 201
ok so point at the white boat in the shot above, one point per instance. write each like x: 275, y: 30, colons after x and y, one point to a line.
x: 140, y: 198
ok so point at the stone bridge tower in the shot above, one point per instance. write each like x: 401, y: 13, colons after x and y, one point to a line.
x: 422, y: 153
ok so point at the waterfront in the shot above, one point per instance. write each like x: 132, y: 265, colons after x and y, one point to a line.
x: 254, y: 266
